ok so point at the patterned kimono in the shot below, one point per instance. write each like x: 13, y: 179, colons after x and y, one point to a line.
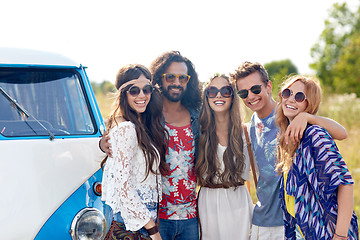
x: 313, y: 180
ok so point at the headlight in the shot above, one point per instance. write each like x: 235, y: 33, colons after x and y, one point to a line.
x: 88, y: 224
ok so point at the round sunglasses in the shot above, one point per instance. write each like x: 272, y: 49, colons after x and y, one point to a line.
x: 299, y: 96
x: 171, y: 77
x: 244, y: 93
x: 134, y: 91
x: 225, y: 91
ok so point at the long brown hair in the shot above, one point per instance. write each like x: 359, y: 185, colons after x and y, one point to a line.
x: 286, y: 152
x: 150, y: 132
x: 207, y: 163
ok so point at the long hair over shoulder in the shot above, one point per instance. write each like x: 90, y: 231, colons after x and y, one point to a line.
x: 286, y: 152
x: 207, y: 163
x: 149, y: 130
x: 192, y: 95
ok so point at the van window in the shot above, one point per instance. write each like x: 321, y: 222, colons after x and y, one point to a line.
x: 47, y: 101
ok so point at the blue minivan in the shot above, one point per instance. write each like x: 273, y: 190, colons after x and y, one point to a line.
x: 50, y: 126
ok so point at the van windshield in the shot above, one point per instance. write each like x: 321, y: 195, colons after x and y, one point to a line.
x: 54, y: 99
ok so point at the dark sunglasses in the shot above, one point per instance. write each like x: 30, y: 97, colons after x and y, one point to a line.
x: 244, y: 93
x: 299, y: 96
x: 225, y: 91
x: 171, y: 77
x: 135, y: 90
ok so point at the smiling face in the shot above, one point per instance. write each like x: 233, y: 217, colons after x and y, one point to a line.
x: 219, y: 104
x: 174, y: 91
x: 259, y: 103
x: 139, y: 102
x: 291, y: 108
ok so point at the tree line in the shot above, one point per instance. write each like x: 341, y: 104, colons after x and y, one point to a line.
x: 336, y: 56
x: 337, y: 53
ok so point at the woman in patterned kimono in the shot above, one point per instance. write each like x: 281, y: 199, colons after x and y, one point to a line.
x: 224, y: 202
x: 317, y: 188
x: 131, y: 180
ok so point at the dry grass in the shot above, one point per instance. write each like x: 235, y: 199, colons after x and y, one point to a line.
x: 105, y: 102
x: 345, y: 109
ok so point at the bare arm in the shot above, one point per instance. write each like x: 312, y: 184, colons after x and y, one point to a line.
x: 336, y: 130
x: 345, y: 209
x: 295, y: 130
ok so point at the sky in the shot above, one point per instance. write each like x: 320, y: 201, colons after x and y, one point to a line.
x: 216, y: 36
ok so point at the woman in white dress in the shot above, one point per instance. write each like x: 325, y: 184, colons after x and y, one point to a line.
x: 222, y: 167
x: 131, y: 184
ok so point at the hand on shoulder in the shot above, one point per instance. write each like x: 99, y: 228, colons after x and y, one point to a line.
x: 296, y: 128
x: 104, y: 143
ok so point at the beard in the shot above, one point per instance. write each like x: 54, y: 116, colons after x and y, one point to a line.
x: 174, y: 97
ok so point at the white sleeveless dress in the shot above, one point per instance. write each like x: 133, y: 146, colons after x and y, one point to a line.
x: 225, y: 214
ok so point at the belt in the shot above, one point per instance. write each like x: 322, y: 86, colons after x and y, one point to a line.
x: 221, y: 185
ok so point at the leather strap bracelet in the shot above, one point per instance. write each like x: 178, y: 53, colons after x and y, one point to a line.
x: 340, y: 237
x: 153, y: 230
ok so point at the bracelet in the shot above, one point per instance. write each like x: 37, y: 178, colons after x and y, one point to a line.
x: 100, y: 146
x: 341, y: 237
x: 153, y: 230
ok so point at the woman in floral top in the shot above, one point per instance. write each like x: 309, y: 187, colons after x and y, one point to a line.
x: 317, y: 188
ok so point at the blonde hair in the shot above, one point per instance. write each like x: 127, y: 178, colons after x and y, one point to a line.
x: 286, y: 152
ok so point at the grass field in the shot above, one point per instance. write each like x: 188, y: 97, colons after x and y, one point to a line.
x: 345, y: 109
